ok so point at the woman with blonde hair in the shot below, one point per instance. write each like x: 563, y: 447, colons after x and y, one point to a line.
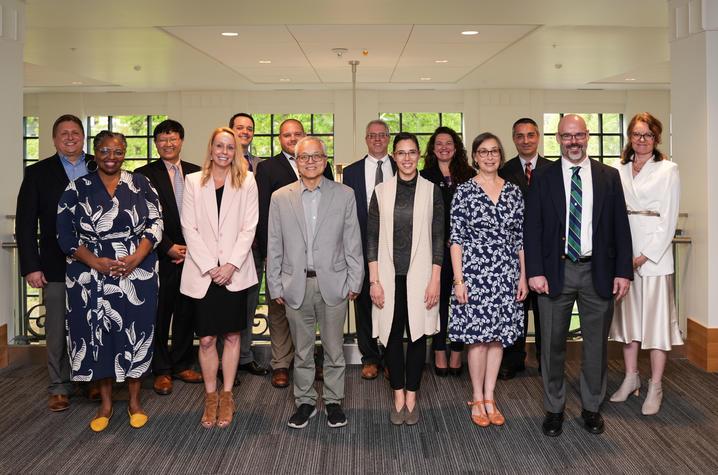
x: 219, y: 217
x: 646, y: 318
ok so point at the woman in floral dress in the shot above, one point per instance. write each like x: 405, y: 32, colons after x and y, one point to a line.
x: 489, y: 277
x: 108, y: 224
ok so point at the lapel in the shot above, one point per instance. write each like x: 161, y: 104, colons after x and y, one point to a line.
x: 558, y: 192
x: 324, y: 203
x: 626, y: 175
x: 419, y: 212
x: 598, y: 180
x: 228, y: 196
x: 388, y: 192
x: 288, y: 170
x: 393, y: 164
x: 361, y: 187
x: 209, y: 198
x: 165, y: 186
x: 58, y: 171
x: 519, y: 174
x: 295, y: 198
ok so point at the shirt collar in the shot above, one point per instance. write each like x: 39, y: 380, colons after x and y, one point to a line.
x: 169, y: 165
x: 288, y: 156
x: 376, y: 160
x: 80, y: 161
x: 567, y: 165
x: 532, y: 160
x: 304, y: 188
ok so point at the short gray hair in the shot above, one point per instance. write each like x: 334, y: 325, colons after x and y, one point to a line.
x: 310, y: 138
x: 377, y: 122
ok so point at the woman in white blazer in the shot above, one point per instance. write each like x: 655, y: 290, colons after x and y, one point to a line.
x: 219, y: 217
x: 647, y: 318
x: 405, y: 250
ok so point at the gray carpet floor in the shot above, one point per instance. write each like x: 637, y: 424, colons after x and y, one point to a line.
x: 682, y: 438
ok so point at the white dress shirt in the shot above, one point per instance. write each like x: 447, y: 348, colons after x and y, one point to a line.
x: 532, y: 161
x: 293, y: 163
x: 586, y: 202
x: 370, y: 165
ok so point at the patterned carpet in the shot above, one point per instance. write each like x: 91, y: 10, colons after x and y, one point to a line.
x: 682, y: 438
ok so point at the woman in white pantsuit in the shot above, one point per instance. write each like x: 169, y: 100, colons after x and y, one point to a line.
x: 647, y: 317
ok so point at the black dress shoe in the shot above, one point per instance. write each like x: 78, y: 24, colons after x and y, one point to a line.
x: 253, y: 368
x: 456, y: 371
x: 592, y: 421
x: 506, y: 373
x: 553, y: 424
x: 443, y: 372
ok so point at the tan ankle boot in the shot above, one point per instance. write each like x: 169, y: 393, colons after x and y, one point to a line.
x: 209, y: 418
x: 631, y: 384
x: 652, y: 404
x: 226, y: 409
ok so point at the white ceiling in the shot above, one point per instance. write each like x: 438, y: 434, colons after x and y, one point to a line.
x: 134, y: 45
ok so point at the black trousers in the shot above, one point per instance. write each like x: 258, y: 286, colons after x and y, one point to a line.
x: 362, y: 312
x: 438, y: 341
x: 404, y: 372
x: 515, y: 355
x: 172, y: 302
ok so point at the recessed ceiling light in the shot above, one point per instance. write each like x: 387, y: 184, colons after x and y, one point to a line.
x: 284, y: 79
x: 630, y: 79
x: 230, y: 33
x: 77, y: 83
x: 469, y: 32
x: 265, y: 61
x: 441, y: 61
x: 425, y: 79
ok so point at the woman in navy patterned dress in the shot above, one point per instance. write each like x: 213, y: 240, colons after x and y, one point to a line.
x: 108, y: 224
x: 489, y: 278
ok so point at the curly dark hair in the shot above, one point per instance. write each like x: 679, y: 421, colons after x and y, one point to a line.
x: 459, y: 167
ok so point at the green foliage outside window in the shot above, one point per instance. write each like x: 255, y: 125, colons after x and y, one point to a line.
x: 138, y: 131
x: 266, y: 132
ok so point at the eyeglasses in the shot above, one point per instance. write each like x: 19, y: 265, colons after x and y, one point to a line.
x: 118, y: 152
x: 172, y: 141
x: 494, y: 152
x: 569, y: 137
x: 310, y: 157
x: 401, y: 154
x: 639, y: 136
x: 381, y: 135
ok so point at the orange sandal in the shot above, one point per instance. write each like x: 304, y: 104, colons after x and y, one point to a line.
x: 495, y: 416
x: 481, y: 420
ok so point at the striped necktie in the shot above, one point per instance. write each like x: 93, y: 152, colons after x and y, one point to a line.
x: 527, y: 172
x: 178, y: 186
x: 574, y: 217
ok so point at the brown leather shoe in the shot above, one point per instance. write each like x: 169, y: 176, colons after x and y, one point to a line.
x: 189, y: 376
x: 280, y: 378
x: 369, y: 371
x: 58, y: 402
x: 163, y: 384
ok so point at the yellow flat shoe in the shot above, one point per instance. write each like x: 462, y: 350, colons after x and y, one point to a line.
x: 138, y: 419
x: 98, y: 424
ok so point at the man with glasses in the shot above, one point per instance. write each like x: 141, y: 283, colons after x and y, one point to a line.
x: 314, y: 264
x: 362, y: 176
x: 243, y: 126
x: 577, y: 244
x: 519, y: 170
x: 44, y: 267
x: 273, y: 174
x: 167, y: 177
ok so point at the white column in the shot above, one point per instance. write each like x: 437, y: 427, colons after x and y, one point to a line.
x: 694, y: 106
x: 12, y: 32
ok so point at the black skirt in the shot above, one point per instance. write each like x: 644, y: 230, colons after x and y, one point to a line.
x: 220, y: 311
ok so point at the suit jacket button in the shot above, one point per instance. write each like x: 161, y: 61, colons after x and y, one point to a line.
x: 563, y: 238
x: 563, y: 256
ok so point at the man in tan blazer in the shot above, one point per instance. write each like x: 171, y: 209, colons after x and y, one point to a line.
x: 314, y: 264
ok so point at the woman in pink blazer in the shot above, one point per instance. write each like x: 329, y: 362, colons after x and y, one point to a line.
x: 219, y: 217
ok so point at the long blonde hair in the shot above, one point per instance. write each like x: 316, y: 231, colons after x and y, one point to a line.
x: 237, y: 169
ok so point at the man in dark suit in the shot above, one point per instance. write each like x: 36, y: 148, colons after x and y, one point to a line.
x: 577, y: 244
x: 243, y: 125
x: 518, y: 170
x: 362, y: 176
x: 272, y: 174
x: 44, y: 268
x: 167, y: 176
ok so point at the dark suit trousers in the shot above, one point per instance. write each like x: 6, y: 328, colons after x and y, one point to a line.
x: 595, y: 314
x: 515, y: 355
x: 245, y: 350
x: 174, y: 308
x: 58, y: 362
x: 362, y: 315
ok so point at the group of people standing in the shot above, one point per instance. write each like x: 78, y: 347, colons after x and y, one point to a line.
x: 460, y: 251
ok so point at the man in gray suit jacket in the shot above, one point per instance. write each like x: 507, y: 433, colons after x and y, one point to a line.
x: 314, y: 264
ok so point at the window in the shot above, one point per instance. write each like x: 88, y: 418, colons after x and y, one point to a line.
x: 136, y: 128
x: 266, y: 132
x: 30, y: 141
x: 605, y: 144
x: 422, y: 124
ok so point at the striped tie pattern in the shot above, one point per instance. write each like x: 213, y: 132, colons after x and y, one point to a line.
x: 574, y: 217
x: 178, y: 185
